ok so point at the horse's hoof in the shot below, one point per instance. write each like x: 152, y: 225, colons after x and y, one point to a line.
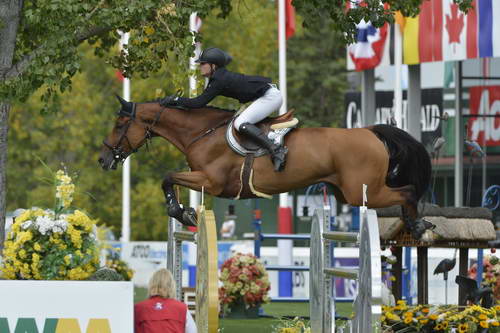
x: 189, y: 217
x: 419, y: 227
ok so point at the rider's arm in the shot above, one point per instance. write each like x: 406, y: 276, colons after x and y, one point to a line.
x: 213, y: 89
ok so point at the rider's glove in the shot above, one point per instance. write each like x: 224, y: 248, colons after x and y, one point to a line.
x: 169, y: 100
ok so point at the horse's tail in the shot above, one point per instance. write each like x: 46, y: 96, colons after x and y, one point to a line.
x: 409, y: 162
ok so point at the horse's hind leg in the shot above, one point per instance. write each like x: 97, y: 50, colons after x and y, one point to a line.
x: 406, y: 197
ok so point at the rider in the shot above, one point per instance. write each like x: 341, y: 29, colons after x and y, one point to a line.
x: 265, y: 98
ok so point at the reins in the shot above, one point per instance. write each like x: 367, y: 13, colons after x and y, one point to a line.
x: 209, y: 131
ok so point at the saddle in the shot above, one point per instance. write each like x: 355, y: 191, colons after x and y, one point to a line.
x: 274, y: 127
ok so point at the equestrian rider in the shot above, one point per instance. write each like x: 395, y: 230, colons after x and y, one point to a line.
x: 265, y: 98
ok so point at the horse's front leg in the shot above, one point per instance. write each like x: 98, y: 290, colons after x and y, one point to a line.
x: 195, y: 180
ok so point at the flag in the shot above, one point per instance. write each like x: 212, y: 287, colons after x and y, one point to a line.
x: 371, y: 47
x: 441, y: 32
x: 368, y: 50
x: 289, y: 19
x: 422, y: 35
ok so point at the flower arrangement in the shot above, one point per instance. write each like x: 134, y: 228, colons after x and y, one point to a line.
x: 113, y: 261
x: 444, y: 318
x: 296, y: 325
x: 491, y: 272
x: 57, y: 244
x: 244, y: 280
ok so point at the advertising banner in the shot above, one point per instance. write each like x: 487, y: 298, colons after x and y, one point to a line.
x: 484, y: 100
x: 66, y: 306
x: 431, y: 111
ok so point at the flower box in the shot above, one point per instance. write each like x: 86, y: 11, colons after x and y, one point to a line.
x: 66, y: 306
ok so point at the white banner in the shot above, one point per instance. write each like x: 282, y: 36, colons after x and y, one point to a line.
x: 66, y: 306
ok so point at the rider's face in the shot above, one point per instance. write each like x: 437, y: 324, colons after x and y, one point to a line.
x: 205, y: 69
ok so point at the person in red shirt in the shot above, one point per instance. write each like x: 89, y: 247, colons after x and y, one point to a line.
x: 161, y: 312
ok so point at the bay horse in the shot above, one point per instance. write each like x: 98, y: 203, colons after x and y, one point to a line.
x: 395, y: 166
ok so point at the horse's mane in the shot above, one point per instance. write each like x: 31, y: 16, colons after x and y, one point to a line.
x: 208, y: 107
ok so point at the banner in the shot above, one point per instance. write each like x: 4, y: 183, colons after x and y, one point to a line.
x: 431, y: 110
x: 31, y: 306
x: 484, y: 100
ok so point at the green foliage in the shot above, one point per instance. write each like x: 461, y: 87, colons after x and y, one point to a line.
x: 50, y: 31
x: 345, y: 20
x: 316, y: 71
x: 106, y: 274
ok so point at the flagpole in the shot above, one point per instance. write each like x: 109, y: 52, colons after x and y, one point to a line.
x: 285, y: 247
x: 398, y: 66
x: 194, y: 25
x: 126, y: 164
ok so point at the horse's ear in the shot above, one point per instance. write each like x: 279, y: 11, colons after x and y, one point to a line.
x: 126, y: 106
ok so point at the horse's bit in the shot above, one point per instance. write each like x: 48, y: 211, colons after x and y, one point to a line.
x: 119, y: 155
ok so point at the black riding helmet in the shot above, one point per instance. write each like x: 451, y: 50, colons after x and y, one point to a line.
x: 216, y: 56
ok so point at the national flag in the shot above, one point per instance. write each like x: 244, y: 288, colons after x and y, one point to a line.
x: 371, y: 47
x: 289, y: 18
x: 422, y: 35
x: 441, y: 32
x: 368, y: 50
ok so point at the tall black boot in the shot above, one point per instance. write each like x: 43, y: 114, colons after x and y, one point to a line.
x: 278, y: 153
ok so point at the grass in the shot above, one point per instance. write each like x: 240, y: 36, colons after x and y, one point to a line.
x: 264, y: 324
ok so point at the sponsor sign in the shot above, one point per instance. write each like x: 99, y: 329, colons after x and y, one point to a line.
x: 484, y: 100
x: 431, y: 110
x: 66, y: 306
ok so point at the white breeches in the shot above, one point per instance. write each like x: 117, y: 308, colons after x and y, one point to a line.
x: 260, y: 108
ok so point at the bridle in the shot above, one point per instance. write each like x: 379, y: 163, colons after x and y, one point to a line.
x: 119, y: 155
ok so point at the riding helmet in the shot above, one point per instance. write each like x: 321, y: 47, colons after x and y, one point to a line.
x: 216, y: 56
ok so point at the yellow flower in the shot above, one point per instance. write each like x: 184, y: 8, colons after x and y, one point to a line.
x: 495, y: 323
x: 484, y: 324
x: 433, y: 317
x: 149, y: 30
x: 483, y: 316
x: 37, y: 247
x: 463, y: 328
x: 408, y: 320
x: 425, y: 310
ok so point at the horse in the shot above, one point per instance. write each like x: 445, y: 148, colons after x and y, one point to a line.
x: 395, y: 167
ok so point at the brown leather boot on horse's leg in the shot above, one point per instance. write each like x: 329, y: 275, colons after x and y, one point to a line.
x: 278, y: 153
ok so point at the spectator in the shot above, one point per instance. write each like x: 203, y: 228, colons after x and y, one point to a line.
x: 161, y: 313
x: 229, y: 225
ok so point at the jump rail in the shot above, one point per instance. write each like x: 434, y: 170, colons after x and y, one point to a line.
x: 367, y: 305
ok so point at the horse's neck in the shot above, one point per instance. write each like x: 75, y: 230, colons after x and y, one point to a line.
x: 182, y: 127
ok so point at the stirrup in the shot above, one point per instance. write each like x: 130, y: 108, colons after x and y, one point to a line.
x: 279, y: 158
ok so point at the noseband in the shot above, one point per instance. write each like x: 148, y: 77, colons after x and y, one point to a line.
x: 119, y: 155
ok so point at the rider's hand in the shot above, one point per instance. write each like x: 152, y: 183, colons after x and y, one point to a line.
x: 169, y: 100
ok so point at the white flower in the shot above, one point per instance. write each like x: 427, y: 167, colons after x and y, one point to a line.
x: 60, y: 225
x: 44, y: 224
x: 26, y: 224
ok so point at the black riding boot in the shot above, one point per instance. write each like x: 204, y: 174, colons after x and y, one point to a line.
x: 278, y: 153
